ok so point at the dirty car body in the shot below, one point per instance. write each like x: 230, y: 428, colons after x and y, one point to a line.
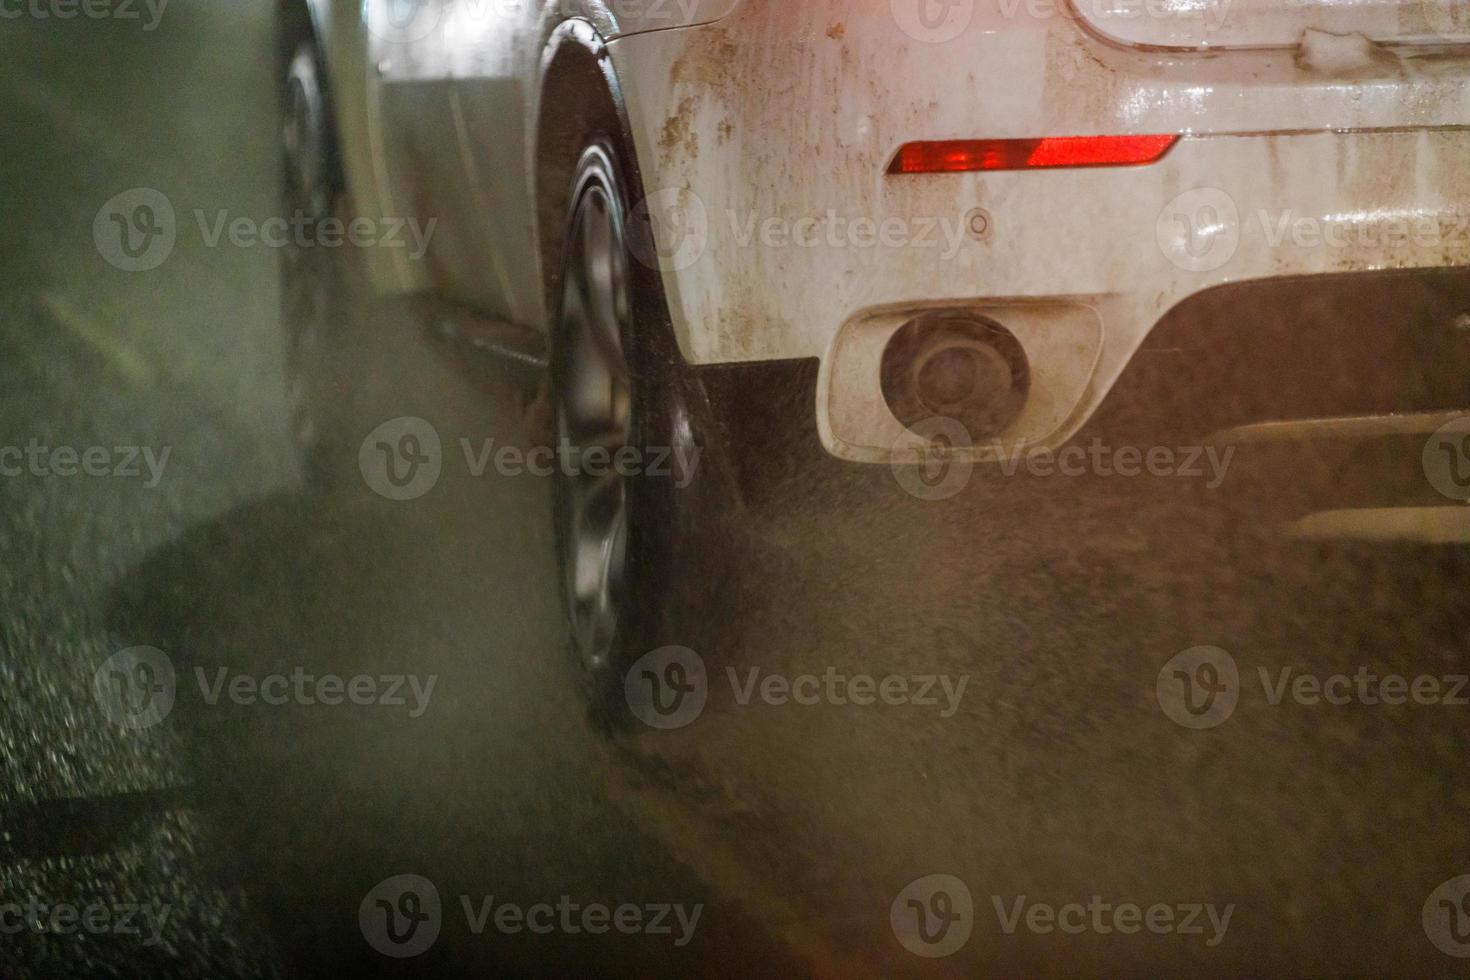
x: 818, y: 176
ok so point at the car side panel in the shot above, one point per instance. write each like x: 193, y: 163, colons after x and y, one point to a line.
x: 436, y: 115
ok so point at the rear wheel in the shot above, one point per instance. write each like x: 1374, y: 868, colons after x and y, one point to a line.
x: 620, y: 391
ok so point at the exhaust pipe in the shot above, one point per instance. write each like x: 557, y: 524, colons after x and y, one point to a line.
x: 956, y: 365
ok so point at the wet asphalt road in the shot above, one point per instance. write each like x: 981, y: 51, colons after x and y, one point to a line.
x: 261, y: 829
x: 260, y: 832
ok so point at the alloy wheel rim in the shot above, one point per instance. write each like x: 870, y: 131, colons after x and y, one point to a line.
x: 305, y: 284
x: 594, y: 411
x: 303, y: 136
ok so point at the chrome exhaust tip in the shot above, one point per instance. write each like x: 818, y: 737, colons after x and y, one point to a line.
x: 957, y: 365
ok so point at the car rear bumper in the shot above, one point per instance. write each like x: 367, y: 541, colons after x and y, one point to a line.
x: 1343, y: 401
x: 765, y: 142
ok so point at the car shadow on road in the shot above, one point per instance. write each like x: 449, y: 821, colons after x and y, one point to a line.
x: 470, y: 763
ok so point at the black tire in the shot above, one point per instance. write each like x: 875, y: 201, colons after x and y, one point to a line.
x: 666, y: 513
x: 315, y: 285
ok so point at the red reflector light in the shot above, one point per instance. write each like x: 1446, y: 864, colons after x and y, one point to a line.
x: 966, y: 156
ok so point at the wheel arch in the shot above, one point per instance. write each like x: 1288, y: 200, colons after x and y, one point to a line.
x: 336, y: 29
x: 580, y: 100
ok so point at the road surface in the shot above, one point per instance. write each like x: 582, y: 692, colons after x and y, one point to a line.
x: 1023, y: 751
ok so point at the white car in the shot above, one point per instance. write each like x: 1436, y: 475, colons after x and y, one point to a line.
x: 982, y: 219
